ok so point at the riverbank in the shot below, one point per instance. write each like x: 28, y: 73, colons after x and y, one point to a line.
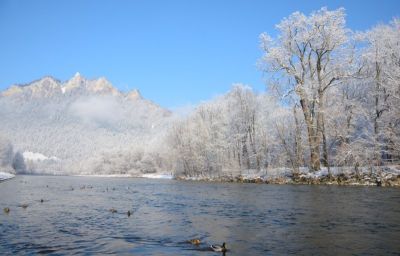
x: 388, y: 176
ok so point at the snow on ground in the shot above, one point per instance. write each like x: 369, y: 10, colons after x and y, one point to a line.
x: 105, y: 175
x: 304, y: 171
x: 37, y: 156
x: 157, y: 176
x: 266, y: 173
x: 6, y: 176
x: 147, y: 175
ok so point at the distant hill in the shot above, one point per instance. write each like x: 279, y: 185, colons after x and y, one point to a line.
x: 71, y: 126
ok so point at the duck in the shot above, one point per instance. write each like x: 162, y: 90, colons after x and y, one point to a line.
x: 112, y: 210
x: 23, y: 206
x: 6, y: 210
x: 219, y: 248
x: 194, y: 241
x: 41, y: 200
x: 129, y: 213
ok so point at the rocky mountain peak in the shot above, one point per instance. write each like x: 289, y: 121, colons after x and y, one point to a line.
x: 75, y: 82
x: 77, y: 85
x: 102, y: 86
x: 44, y: 87
x: 134, y: 95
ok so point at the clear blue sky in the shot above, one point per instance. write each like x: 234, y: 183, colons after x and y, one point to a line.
x: 174, y: 52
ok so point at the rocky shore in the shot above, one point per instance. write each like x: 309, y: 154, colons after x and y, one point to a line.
x: 385, y: 177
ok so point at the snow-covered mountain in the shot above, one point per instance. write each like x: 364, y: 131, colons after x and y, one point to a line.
x: 48, y: 87
x: 78, y: 124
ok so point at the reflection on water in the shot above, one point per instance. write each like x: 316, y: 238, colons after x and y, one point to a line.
x: 252, y: 219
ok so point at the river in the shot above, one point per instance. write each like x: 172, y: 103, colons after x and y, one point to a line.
x: 71, y: 215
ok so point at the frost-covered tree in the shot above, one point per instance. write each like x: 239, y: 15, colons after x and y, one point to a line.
x: 382, y: 71
x: 230, y: 134
x: 18, y: 163
x: 6, y: 156
x: 199, y: 141
x: 242, y: 107
x: 309, y: 52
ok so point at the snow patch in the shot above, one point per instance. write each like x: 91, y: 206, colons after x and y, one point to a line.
x: 157, y: 176
x: 105, y: 175
x: 147, y: 175
x: 38, y: 157
x: 6, y: 176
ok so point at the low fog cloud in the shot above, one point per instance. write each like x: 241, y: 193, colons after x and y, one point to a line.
x: 97, y: 109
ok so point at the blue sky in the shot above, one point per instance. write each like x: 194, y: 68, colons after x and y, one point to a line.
x: 175, y: 52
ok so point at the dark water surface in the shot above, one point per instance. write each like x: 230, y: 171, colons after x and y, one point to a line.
x: 253, y: 219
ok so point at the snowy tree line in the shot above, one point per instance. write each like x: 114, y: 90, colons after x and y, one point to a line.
x: 333, y: 100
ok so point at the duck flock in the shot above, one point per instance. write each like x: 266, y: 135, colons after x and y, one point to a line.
x: 194, y: 241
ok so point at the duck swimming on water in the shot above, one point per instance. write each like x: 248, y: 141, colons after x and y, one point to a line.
x: 23, y: 206
x: 194, y: 241
x: 219, y: 248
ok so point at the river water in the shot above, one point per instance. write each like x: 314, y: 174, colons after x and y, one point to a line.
x: 253, y: 219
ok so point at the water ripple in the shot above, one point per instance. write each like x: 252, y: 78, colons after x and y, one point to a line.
x: 75, y: 218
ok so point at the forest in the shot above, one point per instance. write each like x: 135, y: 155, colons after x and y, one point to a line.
x: 332, y: 101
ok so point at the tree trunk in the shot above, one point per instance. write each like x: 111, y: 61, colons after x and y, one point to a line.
x: 287, y: 149
x: 320, y: 111
x: 252, y: 135
x: 378, y: 113
x: 298, y: 140
x: 245, y: 152
x: 313, y: 135
x: 321, y: 116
